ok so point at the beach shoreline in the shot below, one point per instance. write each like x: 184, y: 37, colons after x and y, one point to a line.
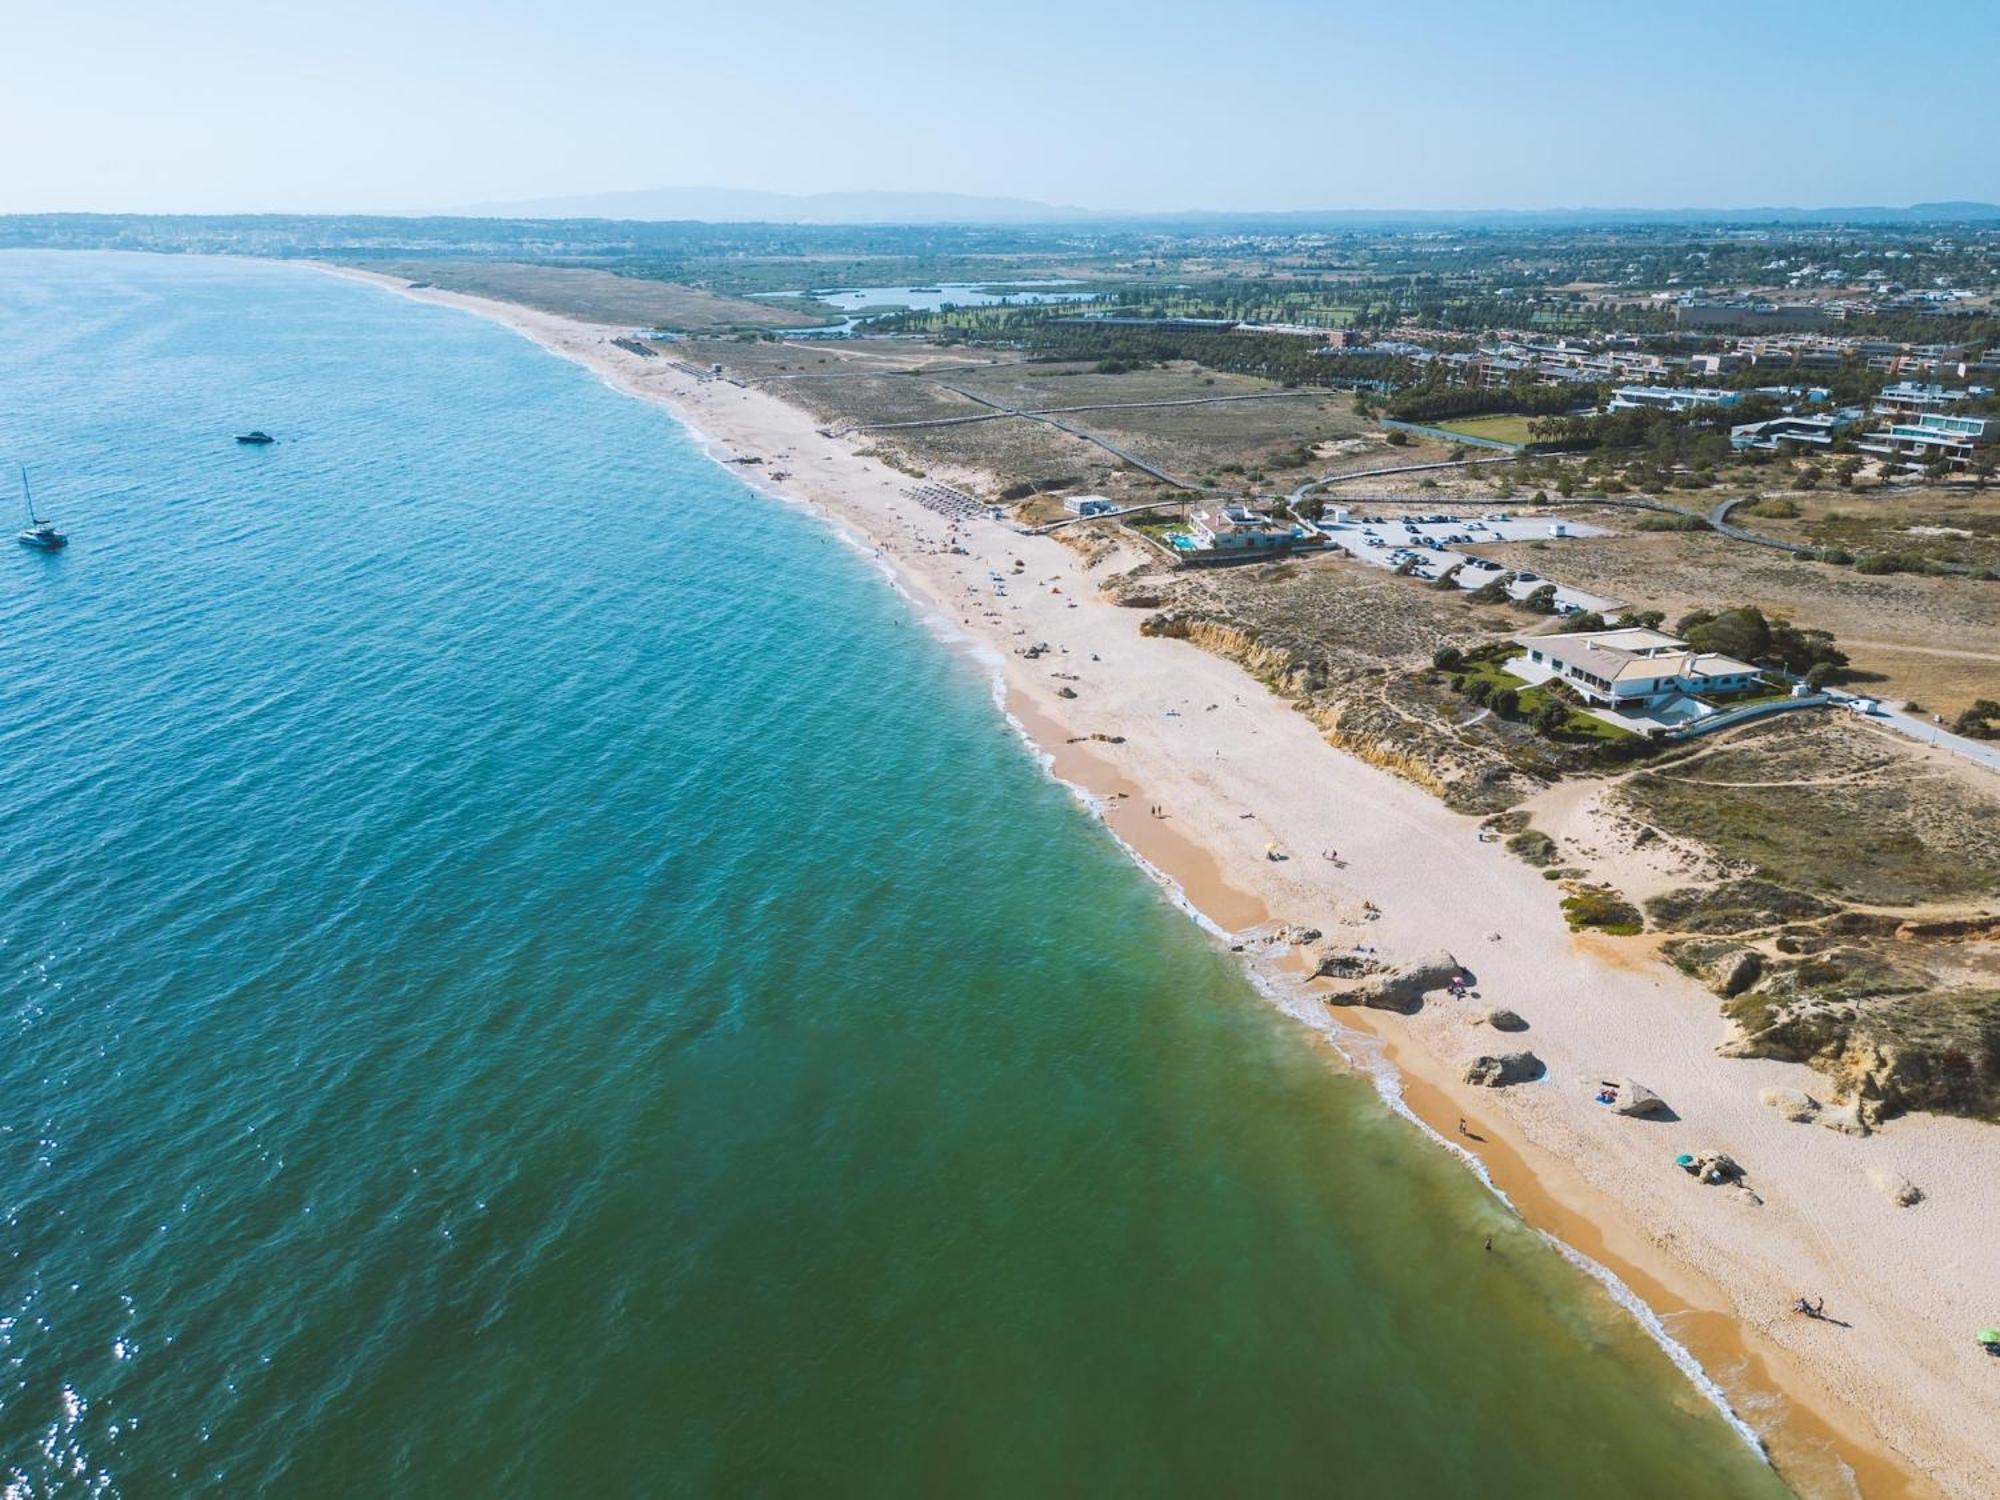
x: 1162, y: 724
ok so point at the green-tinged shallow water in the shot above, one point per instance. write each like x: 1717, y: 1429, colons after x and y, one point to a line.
x: 527, y: 971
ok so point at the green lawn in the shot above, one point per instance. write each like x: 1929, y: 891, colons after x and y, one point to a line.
x: 1581, y: 726
x: 1508, y: 429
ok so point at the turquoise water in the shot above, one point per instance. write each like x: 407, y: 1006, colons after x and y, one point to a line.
x: 526, y: 971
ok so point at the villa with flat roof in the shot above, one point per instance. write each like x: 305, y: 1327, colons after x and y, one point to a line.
x: 1911, y: 398
x: 1812, y: 430
x: 1933, y: 435
x: 1634, y: 669
x: 1669, y: 397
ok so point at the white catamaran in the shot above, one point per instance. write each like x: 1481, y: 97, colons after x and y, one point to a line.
x: 40, y: 534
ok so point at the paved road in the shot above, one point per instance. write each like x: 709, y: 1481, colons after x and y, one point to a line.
x: 1984, y: 753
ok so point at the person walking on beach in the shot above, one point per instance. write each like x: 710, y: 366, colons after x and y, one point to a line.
x: 1461, y: 1126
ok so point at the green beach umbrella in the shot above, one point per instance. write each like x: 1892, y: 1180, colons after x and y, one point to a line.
x: 1989, y: 1335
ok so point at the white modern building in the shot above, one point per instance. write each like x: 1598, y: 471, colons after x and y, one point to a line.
x: 1933, y: 435
x: 1669, y: 397
x: 1237, y: 528
x: 1089, y: 505
x: 1633, y: 669
x: 1915, y: 397
x: 1813, y: 430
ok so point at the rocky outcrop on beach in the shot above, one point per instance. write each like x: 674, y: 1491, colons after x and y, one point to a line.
x: 1885, y: 1053
x: 1491, y: 1071
x: 1894, y: 1186
x: 1631, y: 1097
x: 1877, y: 1008
x: 1502, y: 1019
x: 1399, y: 987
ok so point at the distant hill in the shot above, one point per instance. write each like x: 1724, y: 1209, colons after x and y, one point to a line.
x: 712, y: 205
x: 742, y: 206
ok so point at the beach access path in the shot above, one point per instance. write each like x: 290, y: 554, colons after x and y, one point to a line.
x: 1894, y: 1390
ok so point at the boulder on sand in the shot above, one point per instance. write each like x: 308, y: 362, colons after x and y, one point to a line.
x: 1795, y: 1105
x: 1502, y: 1019
x: 1634, y: 1098
x: 1398, y: 987
x: 1491, y: 1072
x: 1733, y: 972
x: 1894, y: 1186
x: 1715, y: 1167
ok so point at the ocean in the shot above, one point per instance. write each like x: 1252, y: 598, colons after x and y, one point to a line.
x: 528, y: 969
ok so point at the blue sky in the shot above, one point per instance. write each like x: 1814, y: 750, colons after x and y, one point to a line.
x: 221, y: 105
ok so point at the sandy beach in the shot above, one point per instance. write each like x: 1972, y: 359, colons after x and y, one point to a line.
x: 1887, y: 1396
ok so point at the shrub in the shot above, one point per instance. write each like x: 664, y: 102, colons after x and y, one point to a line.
x: 1604, y: 909
x: 1978, y: 721
x: 1446, y: 657
x: 1671, y: 523
x: 1505, y: 702
x: 1398, y: 438
x: 1551, y: 719
x: 1479, y: 689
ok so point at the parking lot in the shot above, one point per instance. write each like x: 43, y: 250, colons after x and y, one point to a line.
x: 1389, y: 539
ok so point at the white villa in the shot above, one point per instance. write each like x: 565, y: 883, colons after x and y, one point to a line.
x: 1669, y: 397
x: 1634, y: 670
x: 1237, y: 528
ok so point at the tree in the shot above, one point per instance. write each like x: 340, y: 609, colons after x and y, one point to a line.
x: 1445, y: 658
x: 1589, y: 620
x: 1505, y: 702
x: 1542, y: 600
x: 1742, y: 632
x: 1551, y: 718
x: 1980, y: 722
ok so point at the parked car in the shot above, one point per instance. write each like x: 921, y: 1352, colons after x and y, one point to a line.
x: 1526, y: 577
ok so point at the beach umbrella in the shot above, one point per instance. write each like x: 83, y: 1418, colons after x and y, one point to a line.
x: 1990, y: 1337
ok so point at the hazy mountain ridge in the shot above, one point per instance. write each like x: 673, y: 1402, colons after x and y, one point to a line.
x: 747, y: 206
